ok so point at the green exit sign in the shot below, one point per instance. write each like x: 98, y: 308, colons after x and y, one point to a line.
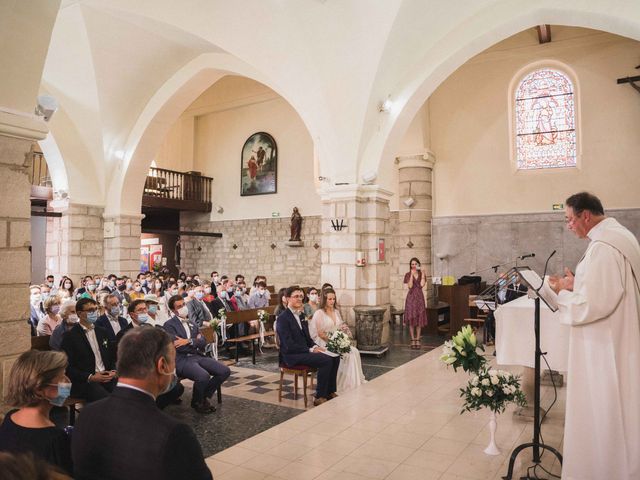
x: 558, y: 206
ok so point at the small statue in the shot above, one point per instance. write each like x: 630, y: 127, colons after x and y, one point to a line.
x: 296, y: 225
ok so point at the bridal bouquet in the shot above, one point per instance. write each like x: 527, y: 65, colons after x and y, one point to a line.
x: 493, y: 389
x: 463, y: 351
x: 339, y: 342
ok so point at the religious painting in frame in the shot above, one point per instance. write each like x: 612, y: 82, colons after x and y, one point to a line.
x: 258, y: 165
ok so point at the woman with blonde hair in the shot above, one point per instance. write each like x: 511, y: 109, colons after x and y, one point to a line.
x: 37, y: 383
x: 52, y: 319
x: 326, y: 320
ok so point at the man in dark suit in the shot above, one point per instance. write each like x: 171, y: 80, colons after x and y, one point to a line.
x: 90, y: 354
x: 297, y: 347
x: 112, y: 322
x: 207, y: 374
x: 125, y: 436
x: 198, y: 311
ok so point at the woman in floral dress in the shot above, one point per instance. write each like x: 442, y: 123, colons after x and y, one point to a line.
x: 415, y: 310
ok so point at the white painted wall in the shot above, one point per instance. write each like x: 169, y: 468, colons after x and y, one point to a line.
x: 223, y: 117
x: 469, y: 119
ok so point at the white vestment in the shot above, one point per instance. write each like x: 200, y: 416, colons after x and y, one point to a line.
x: 602, y: 422
x: 350, y: 369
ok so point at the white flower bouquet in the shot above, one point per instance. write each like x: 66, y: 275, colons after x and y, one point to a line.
x: 263, y: 315
x: 492, y: 389
x: 222, y: 315
x: 338, y: 342
x: 463, y: 351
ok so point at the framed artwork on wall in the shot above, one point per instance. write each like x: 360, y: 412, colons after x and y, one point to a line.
x: 258, y: 165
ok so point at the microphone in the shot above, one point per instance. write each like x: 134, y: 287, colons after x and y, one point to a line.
x: 544, y: 274
x: 528, y: 255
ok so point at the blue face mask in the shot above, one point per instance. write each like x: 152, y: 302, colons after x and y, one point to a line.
x: 238, y: 293
x: 143, y: 318
x: 199, y: 295
x: 172, y: 383
x: 92, y: 317
x: 64, y: 391
x: 115, y: 311
x: 152, y: 308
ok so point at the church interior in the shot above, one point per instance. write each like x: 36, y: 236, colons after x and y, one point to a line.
x: 174, y: 137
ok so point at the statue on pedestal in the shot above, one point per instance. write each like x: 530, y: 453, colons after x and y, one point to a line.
x: 296, y: 225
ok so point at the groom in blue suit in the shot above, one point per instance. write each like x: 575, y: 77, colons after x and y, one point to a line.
x: 297, y: 347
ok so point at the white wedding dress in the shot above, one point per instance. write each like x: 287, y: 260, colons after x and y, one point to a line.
x: 350, y: 370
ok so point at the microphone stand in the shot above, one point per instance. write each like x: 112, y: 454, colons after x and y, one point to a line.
x: 535, y: 444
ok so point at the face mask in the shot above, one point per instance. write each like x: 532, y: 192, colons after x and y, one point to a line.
x: 313, y: 297
x: 115, y: 311
x: 143, y: 318
x: 64, y: 391
x: 158, y: 286
x: 180, y: 284
x: 143, y: 282
x: 72, y: 319
x: 153, y: 309
x: 190, y: 293
x: 35, y: 297
x: 129, y: 285
x: 122, y: 288
x: 138, y: 288
x: 172, y: 383
x: 199, y: 295
x: 261, y: 292
x: 67, y: 286
x: 92, y: 287
x: 55, y: 309
x: 207, y: 290
x: 44, y: 296
x: 238, y: 293
x: 174, y: 292
x: 111, y: 284
x: 183, y: 312
x: 50, y: 284
x: 92, y: 317
x: 223, y: 294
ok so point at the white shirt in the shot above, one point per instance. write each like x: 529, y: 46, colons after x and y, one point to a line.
x: 126, y: 385
x: 297, y: 315
x: 115, y: 324
x: 93, y: 342
x: 185, y: 324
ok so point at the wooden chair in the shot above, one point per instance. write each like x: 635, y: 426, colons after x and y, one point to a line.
x: 303, y: 371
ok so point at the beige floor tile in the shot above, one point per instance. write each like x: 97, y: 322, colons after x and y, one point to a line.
x: 241, y: 473
x: 381, y: 450
x: 365, y: 466
x: 459, y: 434
x: 355, y: 435
x: 299, y: 471
x: 473, y: 462
x: 260, y: 443
x: 333, y: 475
x: 404, y: 439
x: 290, y: 450
x: 218, y: 467
x: 321, y: 458
x: 327, y: 428
x: 338, y: 445
x: 444, y: 446
x: 408, y: 472
x: 235, y: 455
x: 266, y: 463
x: 310, y: 439
x: 430, y: 460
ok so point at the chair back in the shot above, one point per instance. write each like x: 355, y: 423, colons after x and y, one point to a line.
x: 40, y: 343
x: 209, y: 334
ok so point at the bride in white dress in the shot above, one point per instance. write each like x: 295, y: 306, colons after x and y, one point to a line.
x: 325, y: 320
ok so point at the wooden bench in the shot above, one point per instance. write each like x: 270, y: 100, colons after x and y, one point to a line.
x: 247, y: 316
x: 42, y: 343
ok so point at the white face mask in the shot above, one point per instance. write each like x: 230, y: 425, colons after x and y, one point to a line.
x: 183, y: 312
x: 72, y: 318
x: 313, y: 297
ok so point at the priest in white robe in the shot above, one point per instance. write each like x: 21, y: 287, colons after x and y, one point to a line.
x: 602, y: 305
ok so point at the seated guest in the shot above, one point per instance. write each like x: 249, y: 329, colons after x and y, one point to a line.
x: 157, y: 309
x: 51, y: 320
x: 312, y: 302
x: 112, y: 320
x: 125, y: 436
x: 37, y: 383
x: 50, y: 282
x: 259, y: 299
x: 88, y: 290
x: 297, y: 347
x: 136, y: 293
x: 283, y: 302
x: 69, y: 319
x: 139, y: 315
x: 223, y: 299
x: 206, y: 373
x: 64, y: 295
x: 90, y: 355
x: 37, y: 310
x: 240, y: 300
x: 198, y: 311
x: 67, y: 284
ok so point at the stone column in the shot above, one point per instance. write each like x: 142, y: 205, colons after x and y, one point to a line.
x: 17, y: 133
x: 364, y: 210
x: 122, y: 244
x: 74, y: 241
x: 413, y: 235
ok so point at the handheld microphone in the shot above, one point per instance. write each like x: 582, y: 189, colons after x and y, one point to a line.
x: 528, y: 255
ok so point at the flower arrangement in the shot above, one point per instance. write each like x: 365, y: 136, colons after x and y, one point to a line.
x: 463, y: 351
x: 492, y: 389
x: 338, y: 342
x: 263, y: 315
x: 222, y: 314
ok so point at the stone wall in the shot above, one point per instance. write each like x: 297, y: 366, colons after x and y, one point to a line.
x: 253, y: 255
x: 475, y: 243
x: 122, y: 244
x: 75, y: 242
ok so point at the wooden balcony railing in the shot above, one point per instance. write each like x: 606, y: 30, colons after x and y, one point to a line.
x: 177, y: 190
x: 39, y: 171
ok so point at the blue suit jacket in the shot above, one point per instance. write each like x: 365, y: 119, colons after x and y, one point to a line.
x: 174, y: 328
x: 292, y: 339
x: 103, y: 321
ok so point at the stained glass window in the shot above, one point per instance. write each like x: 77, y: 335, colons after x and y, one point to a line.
x: 545, y: 121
